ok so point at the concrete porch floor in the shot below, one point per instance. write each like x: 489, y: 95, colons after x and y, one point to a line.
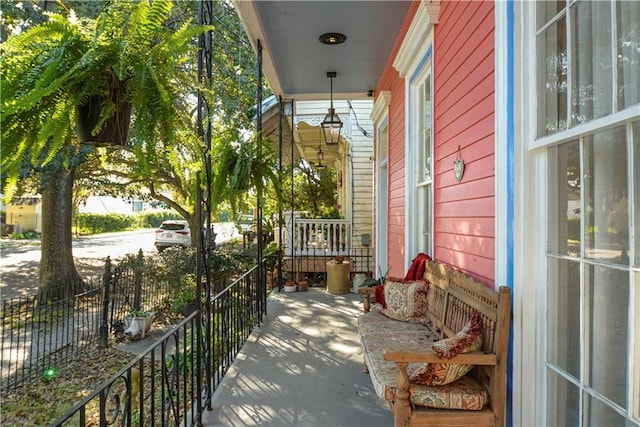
x: 302, y: 367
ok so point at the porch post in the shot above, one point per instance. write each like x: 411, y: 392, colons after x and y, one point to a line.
x: 203, y: 213
x: 261, y: 279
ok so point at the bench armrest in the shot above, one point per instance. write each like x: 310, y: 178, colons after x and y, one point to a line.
x: 366, y: 292
x: 430, y: 356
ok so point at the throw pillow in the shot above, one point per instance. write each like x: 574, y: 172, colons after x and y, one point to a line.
x: 379, y: 295
x: 405, y: 301
x: 469, y: 339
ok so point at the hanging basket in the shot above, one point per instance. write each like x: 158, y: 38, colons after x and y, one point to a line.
x: 115, y: 129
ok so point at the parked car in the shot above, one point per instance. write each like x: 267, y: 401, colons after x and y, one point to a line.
x: 173, y: 233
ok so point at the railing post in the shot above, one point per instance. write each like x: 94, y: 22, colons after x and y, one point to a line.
x: 137, y: 274
x: 106, y: 296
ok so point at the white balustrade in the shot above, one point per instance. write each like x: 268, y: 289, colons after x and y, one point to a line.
x: 316, y: 236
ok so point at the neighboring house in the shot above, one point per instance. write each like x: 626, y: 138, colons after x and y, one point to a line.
x: 541, y: 102
x: 352, y: 160
x: 111, y: 205
x: 24, y: 214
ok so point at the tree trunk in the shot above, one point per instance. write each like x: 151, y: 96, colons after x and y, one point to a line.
x: 58, y: 273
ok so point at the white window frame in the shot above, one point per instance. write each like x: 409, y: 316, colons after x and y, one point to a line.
x: 531, y: 228
x: 380, y: 118
x: 416, y: 163
x: 414, y: 62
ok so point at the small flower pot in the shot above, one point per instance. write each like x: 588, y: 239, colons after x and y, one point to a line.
x: 137, y: 327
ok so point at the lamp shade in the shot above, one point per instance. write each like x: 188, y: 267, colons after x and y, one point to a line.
x: 331, y: 126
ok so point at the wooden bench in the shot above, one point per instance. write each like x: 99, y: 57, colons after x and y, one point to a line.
x: 452, y: 298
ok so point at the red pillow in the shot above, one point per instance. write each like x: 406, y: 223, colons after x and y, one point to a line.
x: 379, y: 295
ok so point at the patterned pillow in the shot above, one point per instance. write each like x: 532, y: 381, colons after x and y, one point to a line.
x: 469, y: 339
x: 405, y: 301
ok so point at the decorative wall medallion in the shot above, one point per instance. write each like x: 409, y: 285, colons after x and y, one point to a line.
x: 458, y: 166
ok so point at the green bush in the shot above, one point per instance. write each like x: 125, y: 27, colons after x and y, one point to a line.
x: 154, y: 219
x: 29, y: 234
x: 104, y: 223
x: 92, y: 223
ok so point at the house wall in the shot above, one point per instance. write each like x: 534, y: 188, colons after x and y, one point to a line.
x: 355, y: 166
x: 361, y: 186
x: 464, y: 212
x: 25, y: 215
x: 463, y: 93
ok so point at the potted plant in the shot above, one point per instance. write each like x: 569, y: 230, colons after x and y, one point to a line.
x: 138, y: 323
x: 73, y: 74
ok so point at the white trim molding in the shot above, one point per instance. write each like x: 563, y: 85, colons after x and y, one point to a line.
x: 418, y: 36
x: 381, y: 107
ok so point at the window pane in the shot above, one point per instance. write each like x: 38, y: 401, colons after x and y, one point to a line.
x: 562, y: 402
x: 565, y: 207
x: 608, y: 294
x: 591, y: 55
x: 425, y: 129
x: 628, y: 44
x: 599, y: 414
x: 606, y: 193
x: 545, y: 10
x: 636, y: 179
x: 552, y: 79
x: 563, y: 334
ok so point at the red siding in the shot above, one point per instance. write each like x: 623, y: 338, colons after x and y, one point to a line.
x: 463, y: 71
x: 463, y: 76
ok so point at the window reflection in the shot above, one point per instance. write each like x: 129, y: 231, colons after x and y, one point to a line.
x: 606, y: 193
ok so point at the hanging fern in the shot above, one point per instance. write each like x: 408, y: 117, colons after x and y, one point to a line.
x: 51, y: 68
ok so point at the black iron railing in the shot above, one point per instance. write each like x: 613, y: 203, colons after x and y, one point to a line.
x: 171, y: 383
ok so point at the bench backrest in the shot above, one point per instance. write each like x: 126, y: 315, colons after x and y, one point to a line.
x: 452, y: 297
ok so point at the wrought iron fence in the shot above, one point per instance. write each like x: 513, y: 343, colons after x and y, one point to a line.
x: 42, y: 330
x: 172, y: 381
x: 39, y: 331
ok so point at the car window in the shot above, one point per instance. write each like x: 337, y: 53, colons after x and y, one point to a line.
x: 172, y: 226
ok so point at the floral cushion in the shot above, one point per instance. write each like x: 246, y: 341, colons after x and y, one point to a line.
x: 406, y: 301
x: 466, y: 393
x: 467, y: 340
x: 377, y: 332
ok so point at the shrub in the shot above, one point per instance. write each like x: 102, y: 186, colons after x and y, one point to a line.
x: 103, y: 223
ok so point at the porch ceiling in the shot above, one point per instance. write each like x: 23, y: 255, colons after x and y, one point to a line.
x: 295, y: 63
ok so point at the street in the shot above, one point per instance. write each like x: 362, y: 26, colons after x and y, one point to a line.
x: 20, y: 259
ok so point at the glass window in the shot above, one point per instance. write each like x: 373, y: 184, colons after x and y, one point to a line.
x: 606, y: 197
x: 565, y: 212
x: 552, y: 79
x: 563, y: 341
x: 421, y: 163
x: 628, y: 45
x: 591, y: 69
x: 607, y: 309
x: 424, y: 157
x: 589, y: 52
x: 563, y: 402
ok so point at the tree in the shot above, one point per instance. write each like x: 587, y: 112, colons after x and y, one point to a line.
x: 169, y: 174
x: 53, y: 67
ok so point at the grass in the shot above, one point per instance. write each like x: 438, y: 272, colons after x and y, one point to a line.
x: 42, y: 401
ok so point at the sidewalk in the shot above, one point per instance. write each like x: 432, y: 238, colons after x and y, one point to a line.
x: 302, y: 367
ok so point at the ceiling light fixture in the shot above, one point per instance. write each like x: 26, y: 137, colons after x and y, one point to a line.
x: 332, y: 38
x: 331, y: 125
